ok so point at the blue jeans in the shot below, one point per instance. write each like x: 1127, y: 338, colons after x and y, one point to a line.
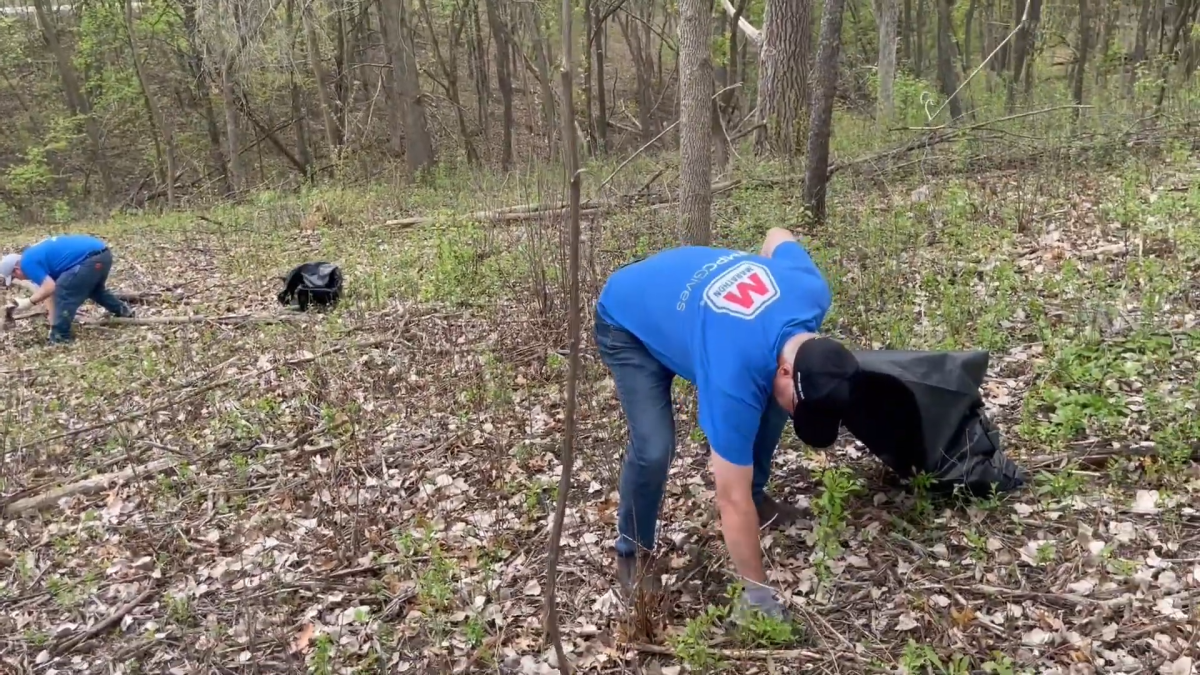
x: 83, y: 282
x: 644, y: 388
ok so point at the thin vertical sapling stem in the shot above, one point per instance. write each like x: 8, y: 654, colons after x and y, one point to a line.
x: 571, y: 163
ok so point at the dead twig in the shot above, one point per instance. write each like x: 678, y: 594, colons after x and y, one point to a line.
x: 739, y: 654
x: 70, y: 644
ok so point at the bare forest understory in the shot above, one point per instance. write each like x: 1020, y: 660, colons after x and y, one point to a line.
x: 370, y: 490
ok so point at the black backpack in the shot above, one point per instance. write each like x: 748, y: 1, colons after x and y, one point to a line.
x: 317, y: 283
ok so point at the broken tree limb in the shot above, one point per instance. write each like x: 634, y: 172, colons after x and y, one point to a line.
x: 86, y: 486
x: 752, y: 34
x: 1099, y: 458
x: 939, y: 134
x: 113, y: 619
x: 197, y: 318
x: 176, y: 320
x: 592, y: 206
x: 740, y: 654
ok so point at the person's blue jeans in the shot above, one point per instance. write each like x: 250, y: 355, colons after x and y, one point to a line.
x: 644, y: 389
x: 85, y: 281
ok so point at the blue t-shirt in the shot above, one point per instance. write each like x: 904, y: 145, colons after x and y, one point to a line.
x: 718, y: 318
x: 51, y: 257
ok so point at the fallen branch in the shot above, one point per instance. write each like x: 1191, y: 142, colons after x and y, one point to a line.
x: 86, y: 487
x: 165, y: 320
x: 201, y: 390
x: 71, y: 643
x: 196, y: 318
x: 1099, y: 458
x: 753, y: 34
x: 740, y: 654
x: 654, y: 200
x: 1072, y: 598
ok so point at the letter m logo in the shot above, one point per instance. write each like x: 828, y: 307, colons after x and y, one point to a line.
x: 743, y: 290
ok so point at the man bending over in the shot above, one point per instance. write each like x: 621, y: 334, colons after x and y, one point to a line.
x: 67, y: 270
x: 740, y: 327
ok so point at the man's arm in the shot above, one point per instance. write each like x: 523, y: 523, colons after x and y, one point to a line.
x: 739, y: 518
x: 45, y: 290
x: 775, y: 237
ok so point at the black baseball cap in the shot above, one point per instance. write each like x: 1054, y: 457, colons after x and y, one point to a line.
x: 824, y: 373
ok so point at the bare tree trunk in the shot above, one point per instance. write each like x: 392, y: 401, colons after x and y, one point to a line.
x: 483, y: 89
x: 816, y: 175
x: 229, y: 103
x: 200, y: 75
x: 918, y: 64
x: 695, y: 121
x: 1022, y: 43
x: 1085, y: 31
x: 1108, y: 18
x: 643, y: 70
x: 597, y: 41
x: 906, y: 42
x: 161, y: 129
x: 720, y: 157
x: 945, y: 66
x: 589, y: 97
x: 783, y: 89
x: 299, y: 113
x: 541, y: 60
x: 968, y: 30
x: 388, y: 27
x: 885, y: 12
x: 398, y: 35
x: 1183, y: 16
x: 731, y: 97
x: 503, y: 80
x: 328, y: 117
x: 449, y: 69
x: 1158, y: 25
x: 77, y: 100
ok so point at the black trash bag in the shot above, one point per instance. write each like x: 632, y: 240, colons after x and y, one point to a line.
x: 921, y: 412
x: 317, y: 283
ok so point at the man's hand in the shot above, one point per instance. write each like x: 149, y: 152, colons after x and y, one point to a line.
x: 739, y: 518
x: 762, y: 599
x: 775, y: 237
x: 45, y: 290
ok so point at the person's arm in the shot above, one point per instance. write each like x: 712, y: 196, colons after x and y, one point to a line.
x: 45, y: 290
x: 775, y: 237
x: 739, y: 518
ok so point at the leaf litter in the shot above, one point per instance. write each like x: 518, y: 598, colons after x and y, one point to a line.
x: 373, y: 490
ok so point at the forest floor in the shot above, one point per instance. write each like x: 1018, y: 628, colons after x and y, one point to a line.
x: 370, y: 490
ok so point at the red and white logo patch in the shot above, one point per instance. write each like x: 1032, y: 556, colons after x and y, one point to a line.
x: 743, y: 290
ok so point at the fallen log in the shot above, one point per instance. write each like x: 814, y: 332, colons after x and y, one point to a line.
x: 196, y: 318
x: 653, y: 200
x: 176, y: 320
x: 87, y: 486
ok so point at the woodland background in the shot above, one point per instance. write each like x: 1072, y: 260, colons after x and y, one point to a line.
x: 222, y: 486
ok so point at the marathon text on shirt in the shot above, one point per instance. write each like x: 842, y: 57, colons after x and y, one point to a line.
x: 742, y: 291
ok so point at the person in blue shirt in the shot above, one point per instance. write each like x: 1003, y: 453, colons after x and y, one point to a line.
x: 67, y: 270
x: 743, y: 329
